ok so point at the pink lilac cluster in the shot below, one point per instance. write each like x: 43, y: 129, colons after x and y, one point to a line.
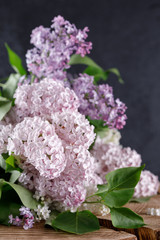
x: 54, y: 46
x: 51, y: 139
x: 111, y: 156
x: 147, y: 186
x: 97, y: 102
x: 5, y: 131
x: 42, y: 99
x: 26, y: 220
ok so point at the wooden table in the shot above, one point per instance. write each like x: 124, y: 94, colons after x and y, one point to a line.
x: 149, y: 232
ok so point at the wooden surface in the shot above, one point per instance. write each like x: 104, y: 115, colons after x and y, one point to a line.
x: 40, y: 233
x: 152, y: 230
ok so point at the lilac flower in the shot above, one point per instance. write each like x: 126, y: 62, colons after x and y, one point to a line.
x: 5, y: 131
x: 112, y: 156
x: 11, y: 219
x: 98, y: 102
x: 36, y: 141
x: 15, y: 221
x: 27, y: 218
x: 54, y: 46
x: 147, y: 186
x: 43, y: 99
x: 51, y: 139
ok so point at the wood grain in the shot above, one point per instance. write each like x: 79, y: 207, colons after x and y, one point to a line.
x: 39, y: 232
x: 151, y: 231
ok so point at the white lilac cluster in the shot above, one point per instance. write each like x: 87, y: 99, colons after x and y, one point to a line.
x: 42, y: 212
x: 54, y: 46
x: 110, y: 155
x: 50, y: 138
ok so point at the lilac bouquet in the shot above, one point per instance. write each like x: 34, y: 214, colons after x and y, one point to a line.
x: 60, y: 156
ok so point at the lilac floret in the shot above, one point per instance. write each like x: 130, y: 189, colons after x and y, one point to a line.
x: 98, y: 102
x: 54, y: 46
x: 26, y: 220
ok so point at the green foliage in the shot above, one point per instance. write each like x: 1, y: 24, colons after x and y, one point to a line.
x: 116, y: 72
x: 11, y: 164
x: 98, y: 124
x: 124, y: 178
x: 140, y: 200
x: 9, y: 87
x: 6, y: 98
x: 77, y: 59
x: 14, y: 176
x: 24, y: 194
x: 15, y: 61
x: 120, y: 186
x: 52, y: 217
x: 78, y: 222
x: 7, y: 208
x: 94, y: 69
x: 5, y: 106
x: 9, y: 204
x: 125, y: 218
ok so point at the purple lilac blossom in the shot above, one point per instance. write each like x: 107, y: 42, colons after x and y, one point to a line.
x: 54, y: 46
x: 26, y: 220
x: 97, y: 102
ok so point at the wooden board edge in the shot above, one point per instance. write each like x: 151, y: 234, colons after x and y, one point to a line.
x: 140, y: 233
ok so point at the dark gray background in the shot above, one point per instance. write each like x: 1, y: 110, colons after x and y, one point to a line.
x: 125, y: 34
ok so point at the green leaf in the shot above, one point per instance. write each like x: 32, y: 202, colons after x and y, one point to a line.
x: 10, y: 86
x: 77, y: 59
x: 140, y: 200
x: 3, y: 99
x: 94, y: 69
x: 78, y: 222
x: 98, y: 73
x: 124, y: 178
x: 10, y: 161
x: 98, y: 124
x: 7, y: 208
x: 24, y: 195
x: 1, y: 185
x: 5, y: 106
x: 14, y: 176
x: 116, y: 72
x: 117, y: 198
x: 125, y: 218
x: 52, y: 217
x: 11, y: 165
x: 15, y: 61
x: 2, y: 162
x: 120, y: 186
x: 9, y: 204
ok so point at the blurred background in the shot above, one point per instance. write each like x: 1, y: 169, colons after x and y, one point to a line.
x: 125, y: 35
